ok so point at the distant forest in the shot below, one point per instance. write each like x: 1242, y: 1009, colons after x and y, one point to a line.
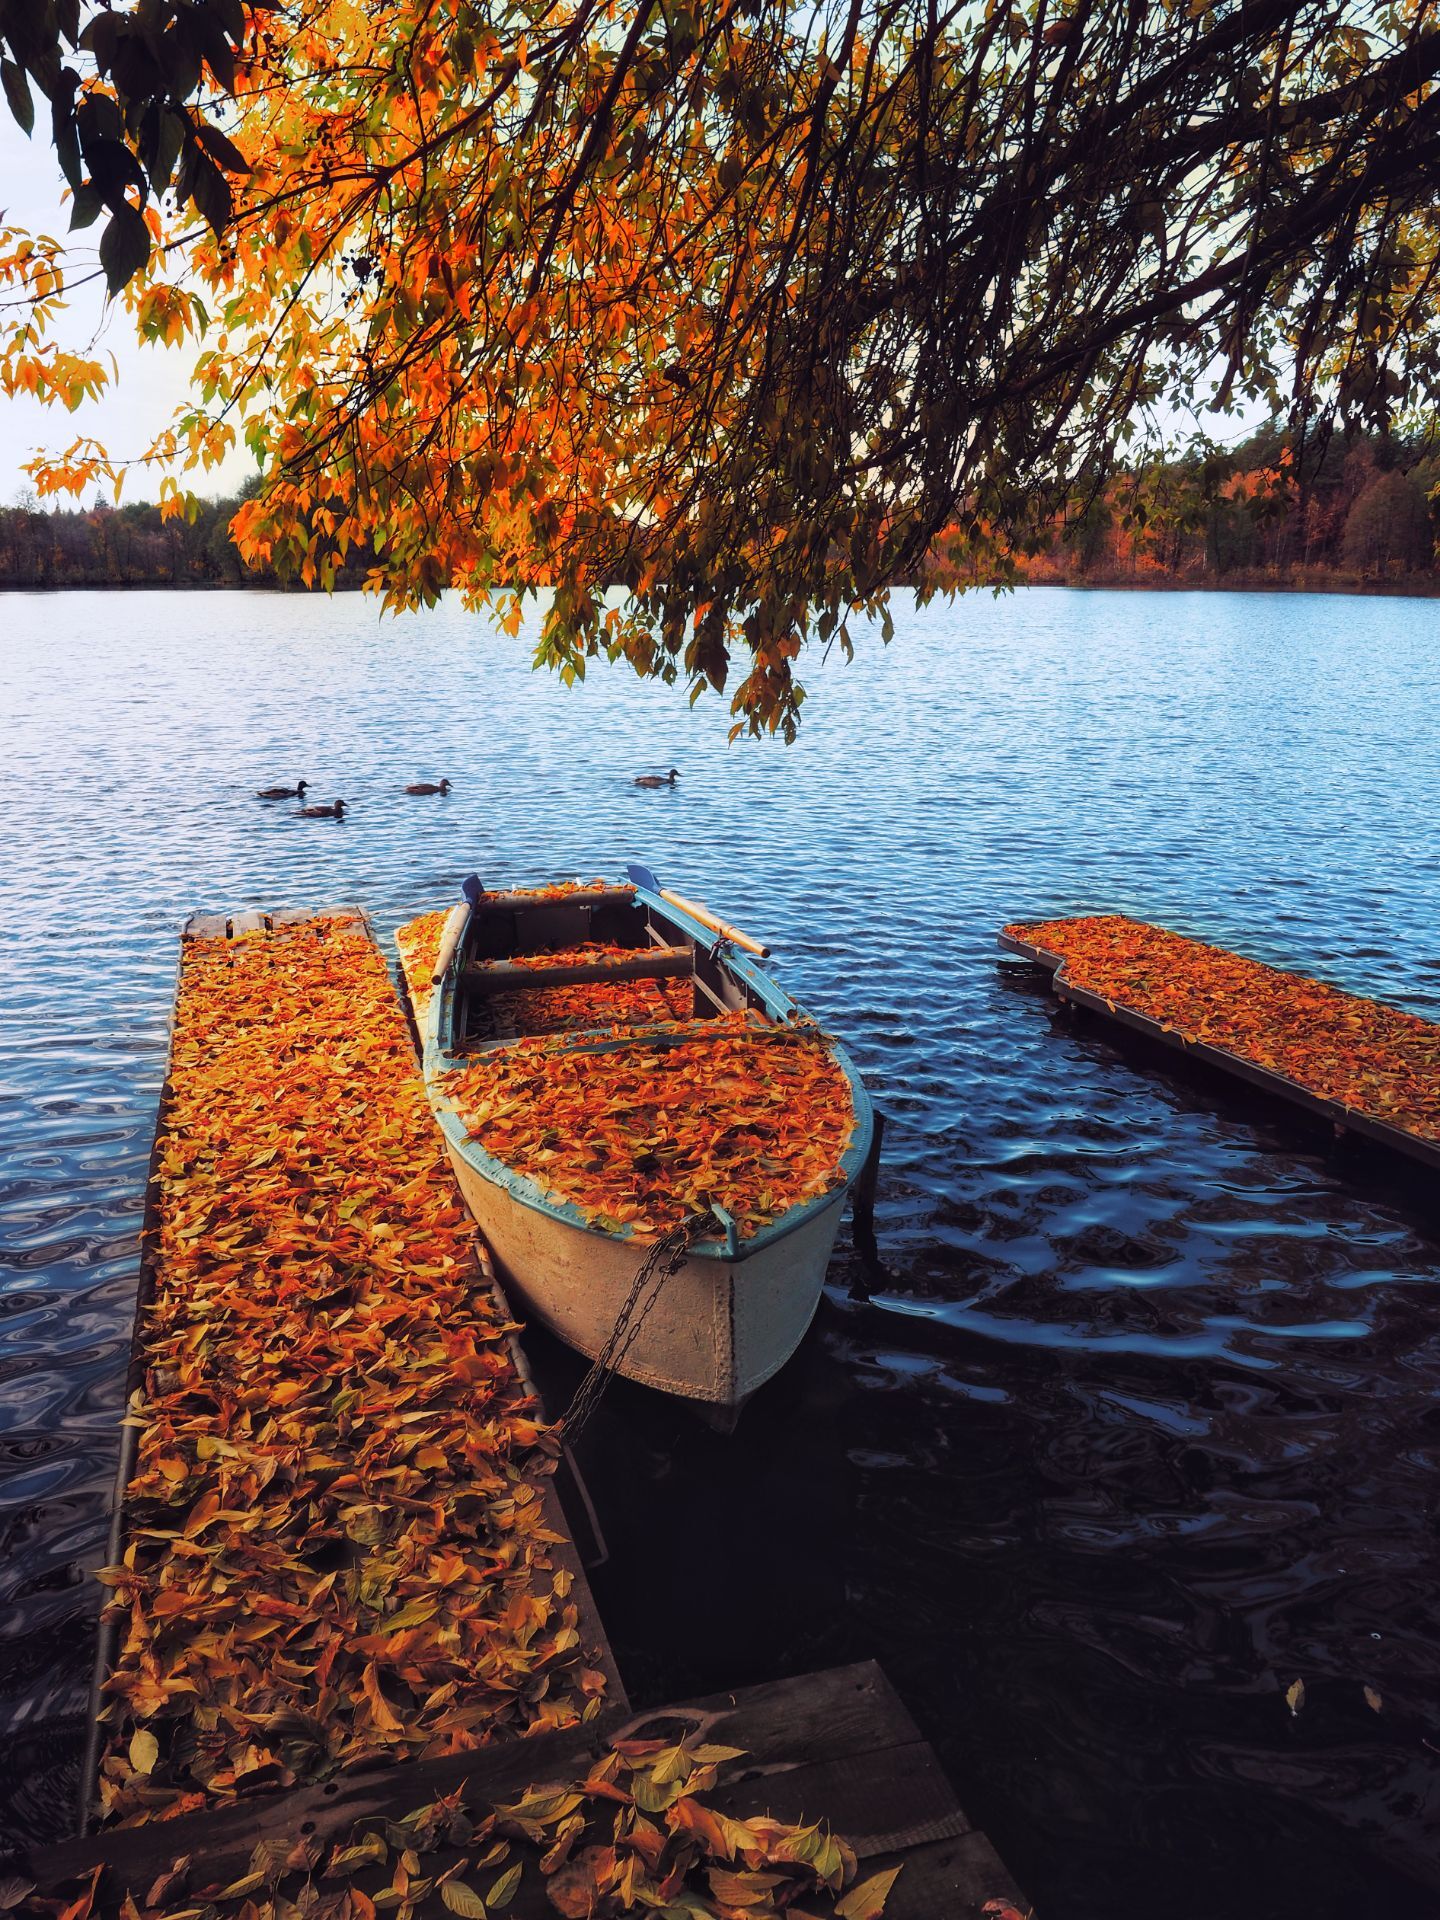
x: 1366, y: 521
x: 129, y: 546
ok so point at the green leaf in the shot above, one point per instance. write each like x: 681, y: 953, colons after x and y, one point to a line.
x: 85, y: 207
x: 223, y: 149
x: 463, y: 1900
x: 124, y: 247
x: 210, y: 191
x: 503, y: 1891
x: 369, y: 1852
x: 17, y: 92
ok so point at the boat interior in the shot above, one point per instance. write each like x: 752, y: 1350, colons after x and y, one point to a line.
x: 590, y: 958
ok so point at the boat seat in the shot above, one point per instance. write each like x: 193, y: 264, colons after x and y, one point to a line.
x: 510, y: 976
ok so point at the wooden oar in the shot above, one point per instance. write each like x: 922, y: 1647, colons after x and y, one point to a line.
x: 450, y: 935
x: 643, y: 877
x: 453, y: 930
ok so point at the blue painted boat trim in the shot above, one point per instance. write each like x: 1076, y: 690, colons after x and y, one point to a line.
x: 778, y: 1004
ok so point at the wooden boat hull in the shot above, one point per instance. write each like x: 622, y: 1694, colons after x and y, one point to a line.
x: 719, y: 1328
x: 734, y: 1313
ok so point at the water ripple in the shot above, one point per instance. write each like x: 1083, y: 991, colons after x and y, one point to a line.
x: 1142, y: 1426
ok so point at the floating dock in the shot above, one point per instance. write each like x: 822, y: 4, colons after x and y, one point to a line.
x: 351, y: 1654
x: 1366, y: 1067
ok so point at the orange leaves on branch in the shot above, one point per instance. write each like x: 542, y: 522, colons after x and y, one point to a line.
x: 1374, y: 1059
x: 333, y: 1554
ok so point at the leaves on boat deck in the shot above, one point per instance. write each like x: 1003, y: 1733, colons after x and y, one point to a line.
x: 332, y: 1554
x: 1372, y: 1058
x: 637, y: 1833
x: 655, y: 1126
x: 600, y: 1004
x: 752, y: 1116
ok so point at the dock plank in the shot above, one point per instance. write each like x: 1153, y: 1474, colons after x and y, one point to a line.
x: 836, y: 1746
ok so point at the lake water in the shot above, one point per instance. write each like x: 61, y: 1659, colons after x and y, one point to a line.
x: 1144, y: 1423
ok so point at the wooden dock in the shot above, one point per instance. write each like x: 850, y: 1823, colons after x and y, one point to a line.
x: 835, y: 1748
x: 1413, y: 1044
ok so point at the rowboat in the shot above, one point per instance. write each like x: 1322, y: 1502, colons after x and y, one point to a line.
x: 739, y: 1297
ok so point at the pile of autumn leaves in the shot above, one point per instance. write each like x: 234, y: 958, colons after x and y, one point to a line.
x: 652, y: 1118
x: 333, y: 1553
x: 628, y: 1836
x: 1371, y: 1058
x: 642, y: 1132
x: 596, y: 1004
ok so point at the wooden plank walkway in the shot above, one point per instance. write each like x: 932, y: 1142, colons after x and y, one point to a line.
x: 835, y: 1746
x: 1406, y: 1053
x: 245, y: 1279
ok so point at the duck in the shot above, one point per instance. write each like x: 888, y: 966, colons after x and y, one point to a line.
x: 429, y: 786
x: 655, y: 780
x: 283, y: 793
x: 335, y: 811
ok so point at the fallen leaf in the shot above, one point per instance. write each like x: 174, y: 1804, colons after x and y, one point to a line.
x: 463, y: 1900
x: 866, y: 1899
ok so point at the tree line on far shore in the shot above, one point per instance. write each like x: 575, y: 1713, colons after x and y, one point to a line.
x: 1365, y: 519
x: 130, y: 546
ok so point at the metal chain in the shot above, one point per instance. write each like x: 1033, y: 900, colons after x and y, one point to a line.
x: 665, y: 1258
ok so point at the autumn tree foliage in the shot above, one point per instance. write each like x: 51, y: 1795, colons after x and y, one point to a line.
x: 708, y: 318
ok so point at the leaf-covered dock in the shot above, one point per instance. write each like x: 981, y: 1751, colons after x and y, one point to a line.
x: 333, y: 1548
x: 1367, y: 1067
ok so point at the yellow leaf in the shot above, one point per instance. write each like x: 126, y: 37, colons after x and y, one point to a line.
x: 503, y: 1891
x: 463, y: 1900
x: 1373, y: 1700
x: 866, y: 1900
x: 144, y: 1750
x: 1295, y: 1695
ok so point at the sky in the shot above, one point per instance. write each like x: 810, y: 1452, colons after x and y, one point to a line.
x: 152, y: 378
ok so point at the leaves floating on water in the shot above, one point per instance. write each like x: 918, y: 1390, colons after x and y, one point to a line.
x: 333, y: 1554
x: 1295, y: 1695
x: 1374, y: 1059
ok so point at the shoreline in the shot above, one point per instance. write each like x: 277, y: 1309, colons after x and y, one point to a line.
x: 1423, y: 586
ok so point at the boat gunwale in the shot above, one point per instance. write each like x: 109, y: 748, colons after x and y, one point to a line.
x: 438, y: 1061
x: 1281, y: 1085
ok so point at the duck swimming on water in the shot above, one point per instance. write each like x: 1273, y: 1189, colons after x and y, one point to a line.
x: 655, y: 780
x: 429, y: 786
x: 335, y: 811
x: 282, y: 793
